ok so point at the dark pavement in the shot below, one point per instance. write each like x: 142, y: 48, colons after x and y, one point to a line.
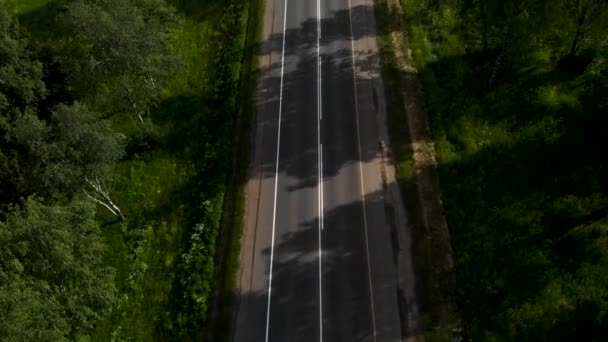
x: 342, y: 272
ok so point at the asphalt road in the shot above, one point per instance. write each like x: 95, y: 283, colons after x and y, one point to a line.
x: 325, y: 253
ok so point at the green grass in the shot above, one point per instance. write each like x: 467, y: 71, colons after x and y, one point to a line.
x: 175, y: 178
x: 23, y: 6
x: 521, y: 171
x: 232, y: 224
x: 520, y: 166
x: 146, y: 249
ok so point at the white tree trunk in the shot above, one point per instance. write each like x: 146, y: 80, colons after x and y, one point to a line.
x: 102, y: 196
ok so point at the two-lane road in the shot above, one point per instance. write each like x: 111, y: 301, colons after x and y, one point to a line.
x: 320, y: 256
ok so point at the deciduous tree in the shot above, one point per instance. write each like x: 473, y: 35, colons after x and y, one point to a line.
x: 53, y: 286
x: 116, y: 53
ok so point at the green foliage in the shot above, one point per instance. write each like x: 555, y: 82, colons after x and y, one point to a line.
x: 53, y: 286
x: 49, y: 151
x: 196, y: 270
x: 21, y: 86
x: 22, y: 6
x: 61, y: 155
x: 116, y: 52
x: 168, y: 245
x: 96, y: 78
x: 517, y: 115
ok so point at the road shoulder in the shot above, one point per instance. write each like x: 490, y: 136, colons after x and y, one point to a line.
x: 418, y: 178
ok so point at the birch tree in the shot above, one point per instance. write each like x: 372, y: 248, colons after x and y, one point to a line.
x: 116, y: 53
x: 63, y: 156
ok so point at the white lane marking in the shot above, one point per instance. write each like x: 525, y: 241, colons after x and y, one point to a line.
x: 362, y: 185
x: 320, y: 247
x: 276, y: 174
x: 320, y: 166
x: 322, y: 205
x: 319, y: 113
x: 319, y: 109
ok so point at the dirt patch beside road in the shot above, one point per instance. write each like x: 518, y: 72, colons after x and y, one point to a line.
x: 435, y: 263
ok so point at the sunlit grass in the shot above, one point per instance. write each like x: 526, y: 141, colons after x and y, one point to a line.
x: 21, y: 7
x: 156, y: 190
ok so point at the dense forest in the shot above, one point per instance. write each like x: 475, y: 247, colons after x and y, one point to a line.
x: 116, y: 125
x: 517, y: 96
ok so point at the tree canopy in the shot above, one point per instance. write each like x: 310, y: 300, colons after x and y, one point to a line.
x: 20, y: 73
x: 52, y: 284
x: 58, y: 153
x: 116, y: 55
x: 516, y: 93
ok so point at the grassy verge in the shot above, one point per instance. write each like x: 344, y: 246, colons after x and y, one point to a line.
x: 521, y: 171
x: 171, y: 187
x: 228, y: 261
x: 417, y: 179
